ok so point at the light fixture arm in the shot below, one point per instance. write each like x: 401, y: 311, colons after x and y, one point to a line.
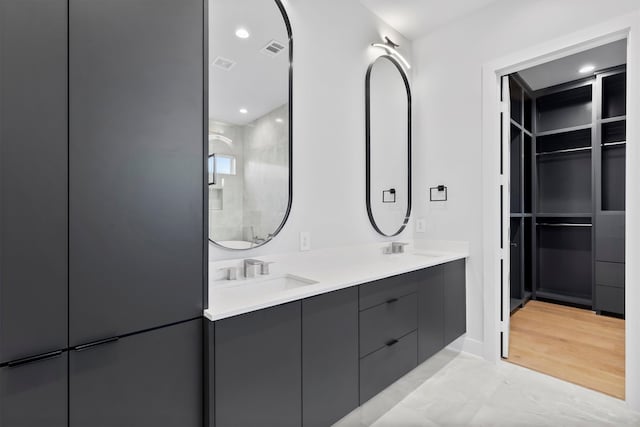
x: 391, y: 48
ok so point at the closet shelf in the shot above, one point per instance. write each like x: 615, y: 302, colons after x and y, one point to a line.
x: 562, y: 224
x: 565, y: 215
x: 566, y: 150
x: 564, y: 130
x: 614, y: 144
x: 521, y: 128
x: 614, y: 119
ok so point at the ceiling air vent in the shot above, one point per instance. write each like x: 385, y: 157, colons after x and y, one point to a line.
x: 273, y: 48
x: 224, y: 63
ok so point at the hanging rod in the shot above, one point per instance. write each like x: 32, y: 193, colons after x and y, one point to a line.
x: 563, y: 224
x: 613, y: 144
x: 568, y: 150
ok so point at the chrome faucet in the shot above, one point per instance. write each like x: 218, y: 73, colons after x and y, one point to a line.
x: 395, y: 248
x: 249, y: 267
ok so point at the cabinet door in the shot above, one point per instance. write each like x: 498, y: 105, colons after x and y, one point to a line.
x: 150, y: 379
x: 455, y: 305
x: 34, y: 394
x: 258, y: 368
x: 430, y: 312
x: 136, y: 165
x: 33, y: 177
x: 329, y: 357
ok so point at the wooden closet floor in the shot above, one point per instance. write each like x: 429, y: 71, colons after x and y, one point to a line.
x: 569, y: 343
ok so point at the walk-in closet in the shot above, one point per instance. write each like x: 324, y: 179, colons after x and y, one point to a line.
x: 567, y: 224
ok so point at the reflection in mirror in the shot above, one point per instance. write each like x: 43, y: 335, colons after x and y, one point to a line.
x: 249, y: 121
x: 388, y: 146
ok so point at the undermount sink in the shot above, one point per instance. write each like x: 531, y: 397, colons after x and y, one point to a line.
x: 276, y: 283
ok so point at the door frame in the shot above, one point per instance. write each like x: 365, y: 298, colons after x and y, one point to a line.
x: 626, y: 26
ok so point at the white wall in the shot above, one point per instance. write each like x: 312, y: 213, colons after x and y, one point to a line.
x: 448, y: 118
x: 331, y: 55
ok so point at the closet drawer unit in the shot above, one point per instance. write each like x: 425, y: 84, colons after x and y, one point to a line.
x: 610, y: 299
x: 380, y: 369
x: 381, y: 291
x: 610, y: 274
x: 387, y: 322
x: 610, y: 230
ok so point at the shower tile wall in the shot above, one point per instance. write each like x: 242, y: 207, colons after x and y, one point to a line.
x: 258, y: 192
x: 266, y: 172
x: 223, y: 223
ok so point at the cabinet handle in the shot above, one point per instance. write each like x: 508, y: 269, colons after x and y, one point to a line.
x: 392, y: 300
x: 34, y: 359
x: 392, y: 343
x: 95, y: 344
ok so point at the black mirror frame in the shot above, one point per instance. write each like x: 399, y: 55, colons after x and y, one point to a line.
x: 287, y: 24
x: 368, y: 142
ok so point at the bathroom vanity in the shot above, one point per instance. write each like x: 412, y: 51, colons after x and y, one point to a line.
x: 314, y: 350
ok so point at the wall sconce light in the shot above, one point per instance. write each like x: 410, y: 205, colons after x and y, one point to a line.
x: 391, y: 49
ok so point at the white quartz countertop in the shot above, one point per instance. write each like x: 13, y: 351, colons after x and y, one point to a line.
x: 328, y: 270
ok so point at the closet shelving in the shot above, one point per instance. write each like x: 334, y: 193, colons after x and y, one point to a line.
x: 522, y: 221
x: 568, y: 148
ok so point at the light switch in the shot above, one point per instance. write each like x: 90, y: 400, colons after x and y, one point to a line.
x: 421, y: 225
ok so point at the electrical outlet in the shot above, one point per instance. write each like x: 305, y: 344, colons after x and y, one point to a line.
x: 421, y: 225
x: 305, y: 241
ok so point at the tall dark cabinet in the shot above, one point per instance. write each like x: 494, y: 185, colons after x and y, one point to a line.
x: 610, y: 165
x: 135, y: 150
x: 33, y: 213
x: 570, y: 168
x: 101, y: 212
x: 33, y: 177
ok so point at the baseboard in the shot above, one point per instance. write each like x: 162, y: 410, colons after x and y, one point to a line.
x: 468, y: 345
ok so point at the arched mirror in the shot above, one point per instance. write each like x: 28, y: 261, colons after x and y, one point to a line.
x: 249, y: 143
x: 388, y: 146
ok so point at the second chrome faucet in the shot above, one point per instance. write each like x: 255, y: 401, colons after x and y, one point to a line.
x: 249, y: 267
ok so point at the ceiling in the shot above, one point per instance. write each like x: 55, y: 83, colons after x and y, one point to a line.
x: 415, y: 18
x: 257, y: 82
x: 566, y: 69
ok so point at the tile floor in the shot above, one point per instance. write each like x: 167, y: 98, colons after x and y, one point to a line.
x: 454, y: 389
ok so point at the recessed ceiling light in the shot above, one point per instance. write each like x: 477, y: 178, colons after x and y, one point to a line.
x: 242, y: 33
x: 279, y: 120
x: 243, y: 111
x: 587, y: 69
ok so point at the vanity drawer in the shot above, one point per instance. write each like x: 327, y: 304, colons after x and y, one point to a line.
x: 610, y: 299
x: 386, y: 322
x: 610, y: 274
x: 381, y: 291
x: 380, y: 369
x: 610, y: 237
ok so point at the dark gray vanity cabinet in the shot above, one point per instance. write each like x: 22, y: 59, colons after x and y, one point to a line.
x: 136, y: 165
x: 258, y: 369
x: 311, y: 362
x: 431, y: 312
x: 34, y: 394
x: 329, y: 357
x: 388, y: 338
x: 33, y: 178
x: 149, y: 379
x: 455, y: 297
